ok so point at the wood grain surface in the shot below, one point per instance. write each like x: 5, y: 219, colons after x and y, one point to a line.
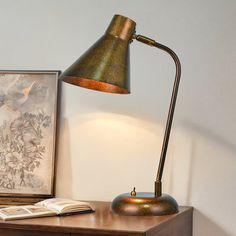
x: 102, y: 222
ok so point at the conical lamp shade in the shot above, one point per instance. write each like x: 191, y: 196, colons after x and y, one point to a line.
x: 105, y: 65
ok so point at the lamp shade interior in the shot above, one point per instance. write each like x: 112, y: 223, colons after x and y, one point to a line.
x: 95, y: 85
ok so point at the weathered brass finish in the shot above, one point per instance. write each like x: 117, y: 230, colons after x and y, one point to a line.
x: 105, y: 66
x: 144, y: 204
x: 121, y: 27
x: 157, y: 203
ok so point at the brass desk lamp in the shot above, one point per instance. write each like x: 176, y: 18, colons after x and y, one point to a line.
x: 105, y: 67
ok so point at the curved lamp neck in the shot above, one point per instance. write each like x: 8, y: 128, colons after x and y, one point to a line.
x: 151, y: 42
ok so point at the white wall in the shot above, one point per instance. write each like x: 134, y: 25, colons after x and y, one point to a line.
x: 110, y: 143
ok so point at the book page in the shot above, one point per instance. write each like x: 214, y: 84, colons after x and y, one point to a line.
x: 21, y: 212
x: 64, y: 205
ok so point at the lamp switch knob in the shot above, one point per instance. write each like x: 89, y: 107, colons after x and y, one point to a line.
x: 133, y: 193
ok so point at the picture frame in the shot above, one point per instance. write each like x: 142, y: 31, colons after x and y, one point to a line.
x: 28, y: 128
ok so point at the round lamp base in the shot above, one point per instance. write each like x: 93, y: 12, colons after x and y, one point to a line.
x: 144, y: 204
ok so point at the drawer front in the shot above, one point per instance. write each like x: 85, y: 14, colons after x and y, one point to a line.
x: 16, y: 232
x: 104, y: 233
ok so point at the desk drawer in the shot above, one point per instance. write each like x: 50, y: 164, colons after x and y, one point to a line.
x: 16, y: 232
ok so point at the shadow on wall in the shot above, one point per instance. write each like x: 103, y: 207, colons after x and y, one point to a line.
x: 202, y: 174
x: 204, y: 226
x: 64, y: 165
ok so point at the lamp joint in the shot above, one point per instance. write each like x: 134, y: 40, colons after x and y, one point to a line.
x: 158, y: 188
x: 145, y: 40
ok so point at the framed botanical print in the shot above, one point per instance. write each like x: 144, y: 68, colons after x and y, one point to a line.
x: 28, y: 117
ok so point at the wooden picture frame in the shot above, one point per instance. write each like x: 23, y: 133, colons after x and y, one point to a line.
x: 28, y: 124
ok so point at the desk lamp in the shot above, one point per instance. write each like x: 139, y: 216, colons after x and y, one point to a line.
x: 105, y: 67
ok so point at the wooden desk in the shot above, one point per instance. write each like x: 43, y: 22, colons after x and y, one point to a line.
x: 102, y: 223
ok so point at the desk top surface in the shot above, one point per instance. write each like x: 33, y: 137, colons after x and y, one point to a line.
x: 102, y: 220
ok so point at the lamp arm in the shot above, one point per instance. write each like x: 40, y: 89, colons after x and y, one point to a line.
x: 151, y: 42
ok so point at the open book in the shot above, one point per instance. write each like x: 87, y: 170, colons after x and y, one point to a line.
x: 49, y: 207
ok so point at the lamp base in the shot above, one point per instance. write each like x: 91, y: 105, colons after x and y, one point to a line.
x: 144, y: 204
